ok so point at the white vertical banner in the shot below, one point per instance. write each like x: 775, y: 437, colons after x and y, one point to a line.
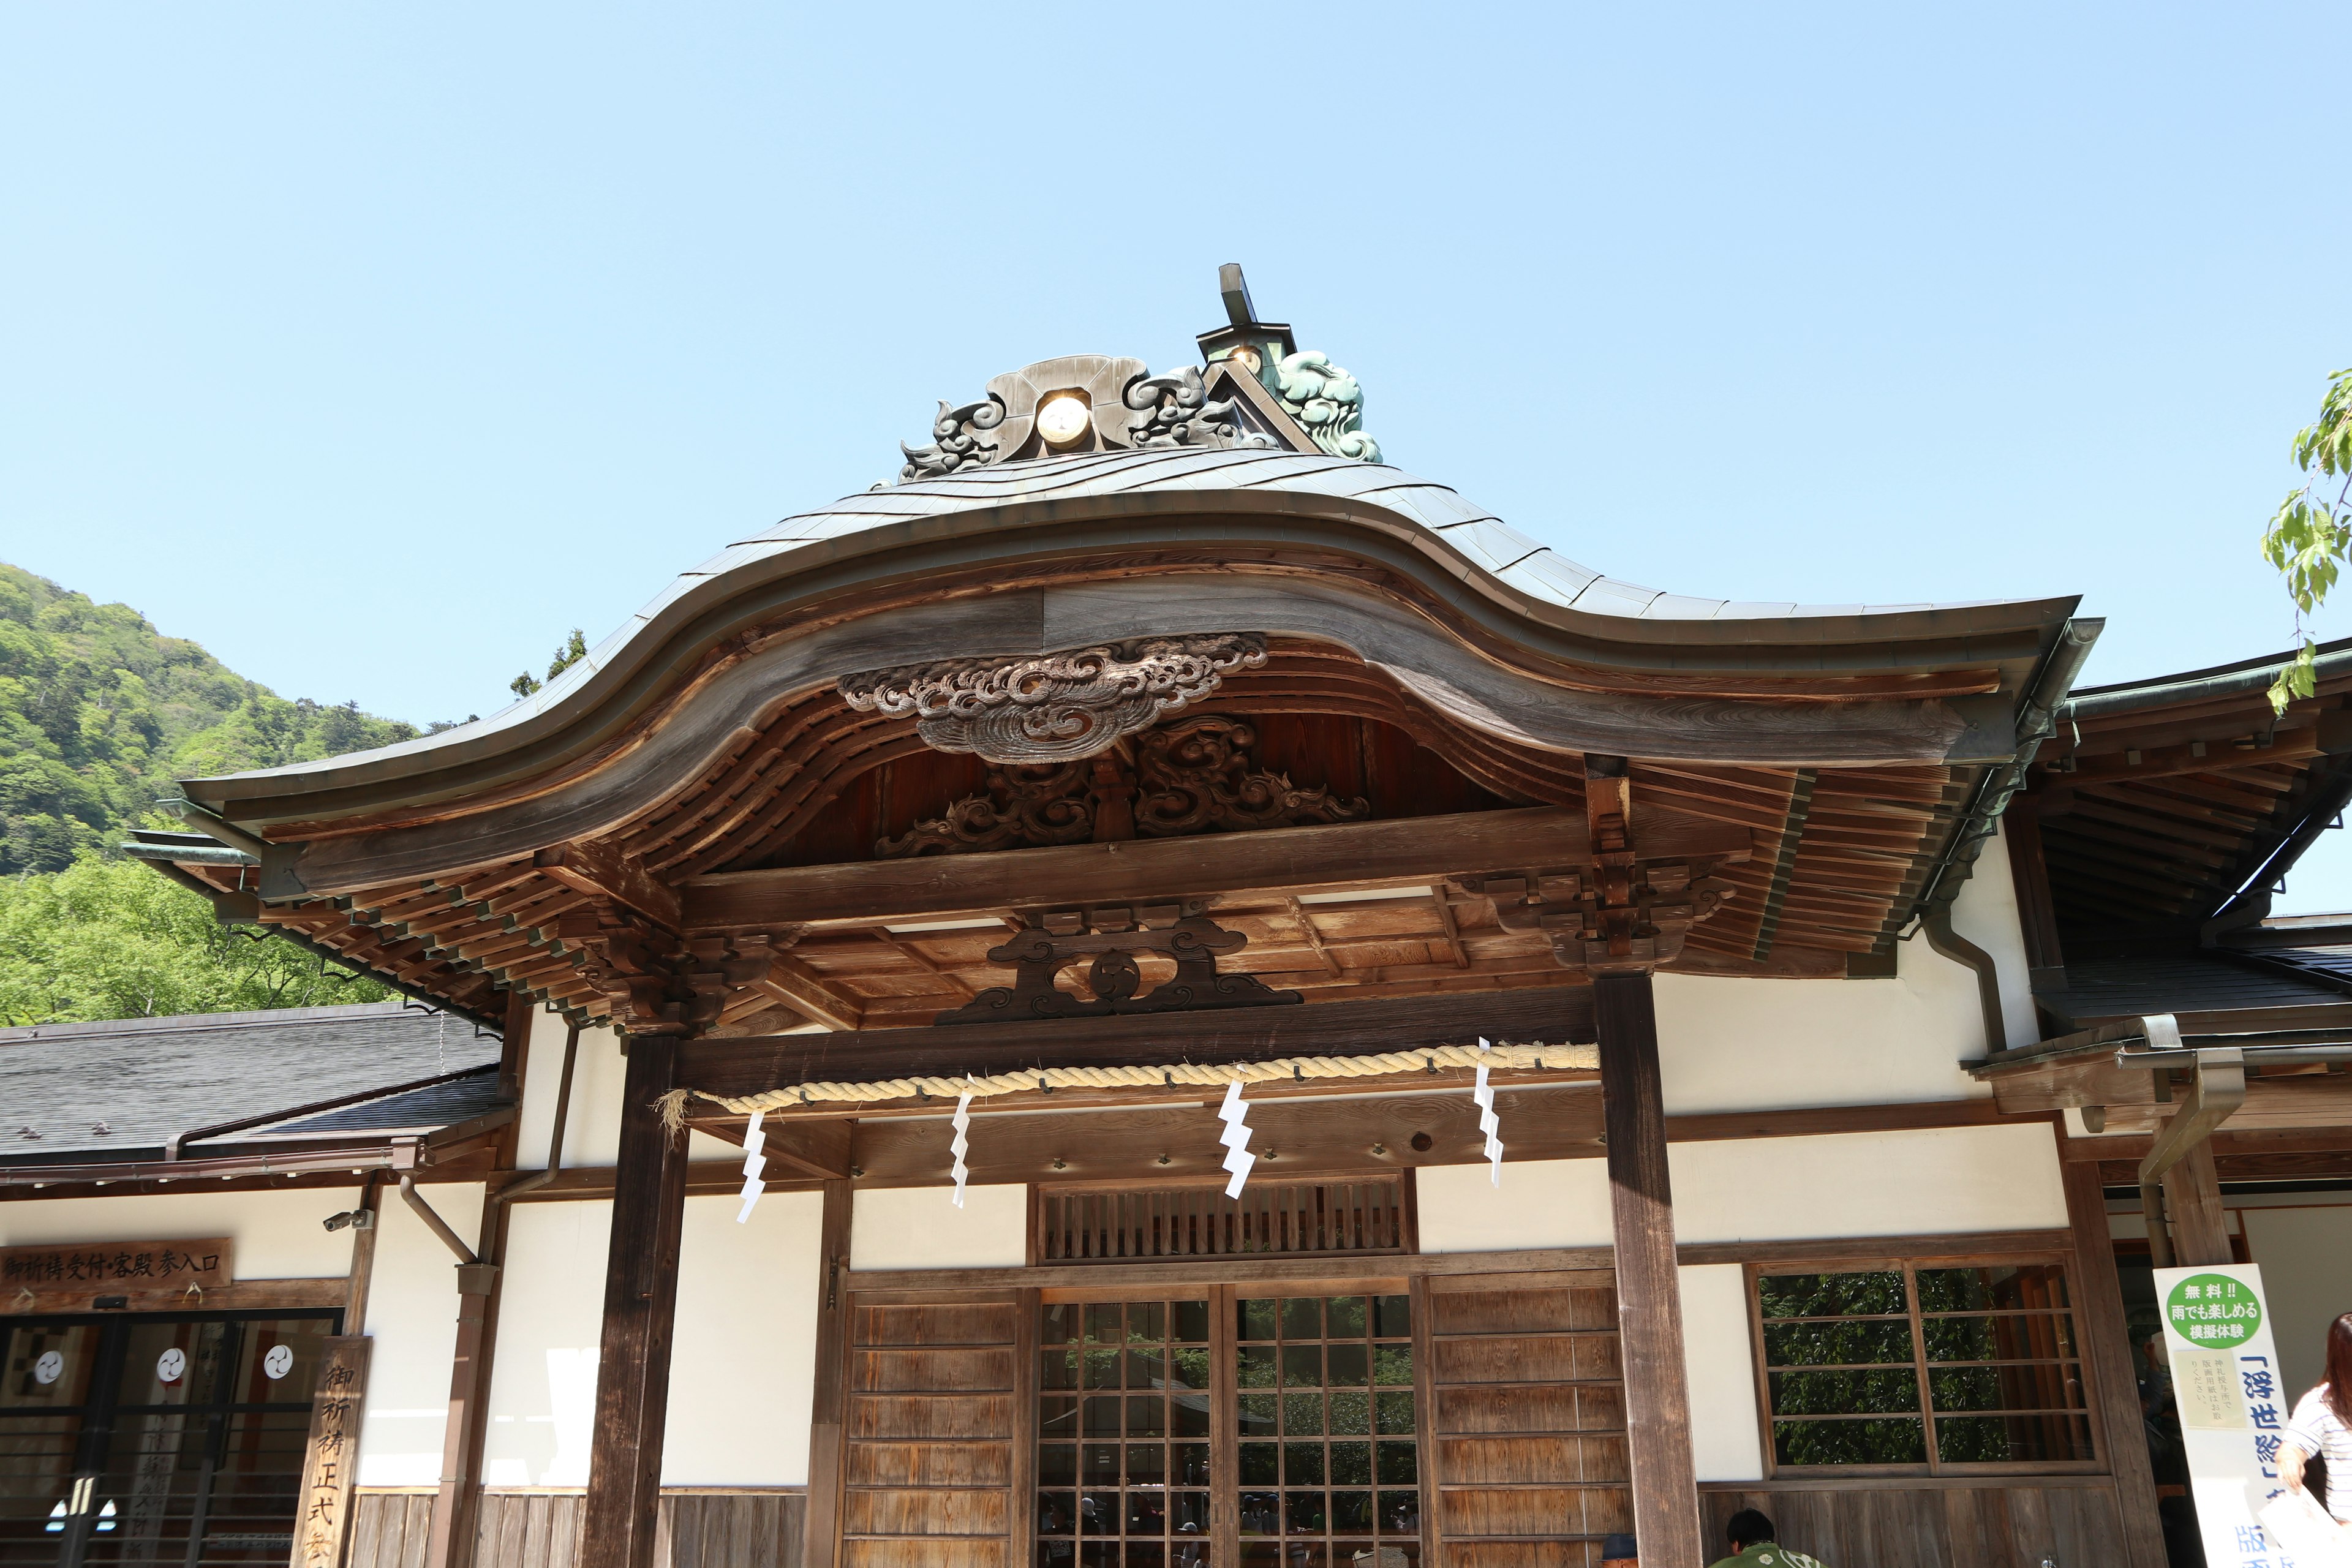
x: 2232, y: 1401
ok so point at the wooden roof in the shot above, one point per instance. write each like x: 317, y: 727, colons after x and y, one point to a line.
x: 1418, y: 656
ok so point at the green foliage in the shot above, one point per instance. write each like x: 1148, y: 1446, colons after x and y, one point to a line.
x: 99, y: 713
x: 2309, y: 534
x: 570, y: 653
x: 110, y: 939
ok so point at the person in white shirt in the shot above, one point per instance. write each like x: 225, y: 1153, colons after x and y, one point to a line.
x: 2321, y: 1425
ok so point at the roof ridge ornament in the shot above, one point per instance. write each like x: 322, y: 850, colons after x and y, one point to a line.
x: 1054, y: 706
x: 1324, y: 400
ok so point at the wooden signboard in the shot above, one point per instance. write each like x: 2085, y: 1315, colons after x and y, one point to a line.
x: 117, y: 1268
x: 331, y: 1462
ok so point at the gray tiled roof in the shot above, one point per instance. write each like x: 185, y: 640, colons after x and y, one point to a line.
x: 1475, y: 537
x: 149, y: 1078
x: 2199, y: 983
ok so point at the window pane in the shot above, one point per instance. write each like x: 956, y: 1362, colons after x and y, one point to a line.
x: 1836, y: 1344
x: 2051, y: 1385
x: 1059, y: 1323
x: 1057, y: 1369
x: 2032, y: 1336
x: 1400, y: 1513
x: 1302, y: 1318
x: 1057, y: 1513
x: 1191, y: 1462
x: 2007, y: 1439
x: 1302, y: 1414
x: 1302, y: 1512
x: 1351, y: 1513
x: 1392, y: 1364
x: 1347, y: 1366
x: 1187, y: 1513
x: 1189, y: 1414
x: 1397, y: 1465
x: 1145, y: 1555
x: 1351, y: 1464
x: 1261, y: 1464
x: 1843, y: 1393
x: 1256, y: 1318
x: 1098, y: 1513
x: 48, y: 1366
x: 1147, y: 1322
x: 1395, y: 1412
x: 1302, y: 1366
x: 1098, y: 1555
x: 1302, y: 1464
x: 1100, y: 1464
x: 1057, y: 1464
x: 1147, y: 1512
x: 1189, y: 1322
x: 1257, y: 1414
x: 1352, y: 1411
x: 1393, y: 1318
x: 1147, y: 1369
x: 1257, y: 1366
x: 1344, y: 1317
x: 1102, y: 1324
x: 1102, y: 1418
x: 1992, y: 1286
x: 1100, y: 1368
x: 1147, y: 1415
x: 1896, y: 1442
x: 1058, y: 1418
x: 1832, y: 1295
x: 1261, y: 1513
x: 1188, y: 1367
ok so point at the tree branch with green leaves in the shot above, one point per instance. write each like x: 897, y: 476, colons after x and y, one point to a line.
x: 2310, y: 534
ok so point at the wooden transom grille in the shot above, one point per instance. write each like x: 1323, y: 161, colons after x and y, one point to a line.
x: 1270, y: 1219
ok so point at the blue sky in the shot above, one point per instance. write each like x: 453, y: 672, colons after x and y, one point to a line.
x: 377, y: 347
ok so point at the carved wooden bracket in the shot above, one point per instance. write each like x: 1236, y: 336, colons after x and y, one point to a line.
x: 1190, y: 775
x: 1112, y: 938
x: 655, y: 985
x: 1055, y: 707
x: 1656, y: 904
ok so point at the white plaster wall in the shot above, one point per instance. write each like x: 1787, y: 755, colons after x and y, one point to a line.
x: 743, y: 1357
x: 412, y: 1315
x: 1727, y: 1043
x: 919, y: 1228
x: 592, y: 1137
x: 1719, y: 1357
x: 2305, y: 1256
x: 1938, y: 1181
x: 277, y: 1236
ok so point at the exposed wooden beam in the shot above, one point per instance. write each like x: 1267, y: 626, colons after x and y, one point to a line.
x: 754, y: 1065
x: 1346, y: 855
x: 603, y: 872
x: 793, y: 984
x: 1314, y: 937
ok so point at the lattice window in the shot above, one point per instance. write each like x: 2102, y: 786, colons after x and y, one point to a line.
x: 1331, y: 1457
x: 1280, y: 1219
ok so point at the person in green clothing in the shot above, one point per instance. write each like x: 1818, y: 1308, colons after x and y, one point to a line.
x: 1752, y: 1542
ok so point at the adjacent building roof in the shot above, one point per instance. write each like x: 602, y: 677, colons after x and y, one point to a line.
x: 124, y: 1087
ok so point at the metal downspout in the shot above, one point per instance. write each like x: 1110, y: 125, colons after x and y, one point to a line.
x: 2037, y: 720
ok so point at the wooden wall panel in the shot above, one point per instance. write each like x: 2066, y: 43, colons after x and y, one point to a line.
x: 1999, y: 1523
x: 929, y: 1461
x: 1527, y: 1464
x: 541, y: 1530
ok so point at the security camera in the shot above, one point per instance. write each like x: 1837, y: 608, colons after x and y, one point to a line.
x: 358, y: 1219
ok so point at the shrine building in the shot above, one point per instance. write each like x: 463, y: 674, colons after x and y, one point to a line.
x: 1157, y: 991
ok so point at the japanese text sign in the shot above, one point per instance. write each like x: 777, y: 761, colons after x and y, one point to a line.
x: 331, y: 1461
x: 2233, y: 1406
x: 113, y: 1267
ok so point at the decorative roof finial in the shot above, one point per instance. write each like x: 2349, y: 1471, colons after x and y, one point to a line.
x: 1325, y: 400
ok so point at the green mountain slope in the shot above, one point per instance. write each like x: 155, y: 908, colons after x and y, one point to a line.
x: 99, y: 713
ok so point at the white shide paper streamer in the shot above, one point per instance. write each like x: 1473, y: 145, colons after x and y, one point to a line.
x: 960, y: 1143
x: 1488, y: 1123
x: 1235, y: 1138
x: 754, y: 1162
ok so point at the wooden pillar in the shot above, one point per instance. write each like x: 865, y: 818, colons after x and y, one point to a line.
x: 1649, y: 1285
x: 625, y: 1451
x: 829, y: 1397
x: 2037, y: 912
x: 2115, y: 1379
x: 450, y: 1543
x: 2192, y: 1205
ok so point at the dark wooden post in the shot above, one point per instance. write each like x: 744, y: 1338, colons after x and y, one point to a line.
x: 2113, y: 1376
x: 1649, y: 1285
x: 2192, y: 1203
x: 829, y: 1399
x: 625, y: 1453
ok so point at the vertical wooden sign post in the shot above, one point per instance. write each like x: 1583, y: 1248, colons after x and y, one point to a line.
x: 329, y: 1462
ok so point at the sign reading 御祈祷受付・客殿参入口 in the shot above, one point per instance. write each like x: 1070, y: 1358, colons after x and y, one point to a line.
x: 116, y: 1267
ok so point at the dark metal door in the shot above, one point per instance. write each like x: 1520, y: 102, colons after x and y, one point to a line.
x: 154, y: 1441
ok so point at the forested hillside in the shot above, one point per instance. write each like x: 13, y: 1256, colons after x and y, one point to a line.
x: 99, y: 713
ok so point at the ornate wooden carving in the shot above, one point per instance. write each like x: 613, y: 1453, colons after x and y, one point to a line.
x: 1112, y: 938
x: 1056, y: 707
x: 1645, y: 927
x: 653, y: 984
x: 1192, y: 775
